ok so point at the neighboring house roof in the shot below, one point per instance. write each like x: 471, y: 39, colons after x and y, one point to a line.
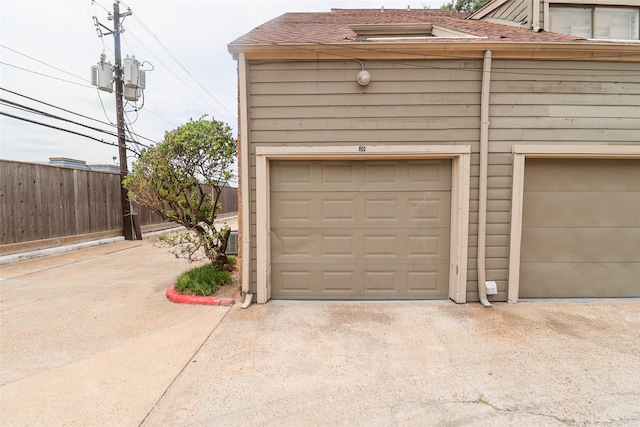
x: 336, y: 27
x: 66, y: 162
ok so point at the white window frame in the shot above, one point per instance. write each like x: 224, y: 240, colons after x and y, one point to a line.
x: 549, y: 4
x: 618, y: 9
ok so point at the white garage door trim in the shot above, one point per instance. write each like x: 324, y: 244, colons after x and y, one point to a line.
x: 460, y: 171
x: 520, y: 154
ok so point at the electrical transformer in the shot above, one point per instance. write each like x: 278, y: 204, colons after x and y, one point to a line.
x: 131, y: 67
x: 102, y: 75
x: 132, y: 94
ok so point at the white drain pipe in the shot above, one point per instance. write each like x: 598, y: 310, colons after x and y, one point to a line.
x: 482, y: 197
x: 248, y: 299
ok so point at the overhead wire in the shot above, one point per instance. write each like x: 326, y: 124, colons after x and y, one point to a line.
x: 97, y: 3
x: 155, y: 37
x: 67, y: 111
x: 136, y: 144
x: 104, y: 110
x: 129, y: 33
x: 59, y: 69
x: 53, y: 106
x: 44, y: 75
x: 59, y: 128
x: 44, y: 63
x: 132, y: 137
x: 53, y: 116
x: 152, y: 34
x: 83, y: 85
x: 96, y: 24
x: 161, y: 118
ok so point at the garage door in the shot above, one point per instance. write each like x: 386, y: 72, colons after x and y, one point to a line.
x: 360, y: 229
x: 581, y: 228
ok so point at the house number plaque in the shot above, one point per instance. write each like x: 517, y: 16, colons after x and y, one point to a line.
x: 362, y: 148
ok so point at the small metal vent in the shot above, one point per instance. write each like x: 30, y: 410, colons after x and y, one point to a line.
x: 232, y: 244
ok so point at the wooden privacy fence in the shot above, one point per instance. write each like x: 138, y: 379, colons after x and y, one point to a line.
x: 45, y: 206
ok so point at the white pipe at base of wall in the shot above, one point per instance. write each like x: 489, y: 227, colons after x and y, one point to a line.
x: 248, y: 299
x: 482, y: 198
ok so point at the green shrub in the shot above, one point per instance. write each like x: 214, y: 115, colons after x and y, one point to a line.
x: 202, y: 280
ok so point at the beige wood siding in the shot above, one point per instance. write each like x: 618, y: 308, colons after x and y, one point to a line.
x: 548, y: 102
x: 437, y: 102
x: 498, y: 221
x: 415, y: 102
x: 517, y: 11
x: 581, y: 228
x: 360, y: 229
x: 556, y: 102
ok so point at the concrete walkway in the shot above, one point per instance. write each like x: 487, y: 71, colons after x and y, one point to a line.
x: 88, y: 339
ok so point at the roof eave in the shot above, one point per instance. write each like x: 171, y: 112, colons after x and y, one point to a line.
x: 454, y: 49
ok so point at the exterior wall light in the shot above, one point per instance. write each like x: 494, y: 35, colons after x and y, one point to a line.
x: 364, y: 77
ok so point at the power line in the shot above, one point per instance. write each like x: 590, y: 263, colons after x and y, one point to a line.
x: 174, y: 74
x: 52, y: 116
x: 152, y: 34
x: 44, y: 63
x: 58, y: 128
x: 148, y: 30
x: 104, y: 110
x: 96, y: 23
x: 78, y: 84
x: 54, y: 106
x: 44, y: 75
x: 129, y: 128
x: 66, y: 110
x: 161, y: 118
x: 84, y: 79
x: 96, y: 3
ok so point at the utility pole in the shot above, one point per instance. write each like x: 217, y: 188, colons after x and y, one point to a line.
x: 129, y: 84
x: 130, y: 231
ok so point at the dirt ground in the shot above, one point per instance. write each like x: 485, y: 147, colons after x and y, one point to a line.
x: 232, y: 290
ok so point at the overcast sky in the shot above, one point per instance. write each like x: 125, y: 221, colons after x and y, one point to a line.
x: 48, y: 47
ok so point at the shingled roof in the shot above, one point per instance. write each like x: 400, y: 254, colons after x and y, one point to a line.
x: 335, y: 27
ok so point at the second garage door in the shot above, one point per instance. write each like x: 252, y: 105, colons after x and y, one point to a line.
x: 581, y: 228
x: 360, y: 229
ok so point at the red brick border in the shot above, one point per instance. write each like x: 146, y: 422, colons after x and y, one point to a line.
x: 174, y: 296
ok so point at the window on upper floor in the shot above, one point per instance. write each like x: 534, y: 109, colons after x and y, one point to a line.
x: 619, y: 23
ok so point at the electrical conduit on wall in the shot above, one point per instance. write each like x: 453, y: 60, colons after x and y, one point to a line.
x: 482, y: 198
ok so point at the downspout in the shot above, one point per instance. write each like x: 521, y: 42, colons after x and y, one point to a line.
x: 482, y: 186
x: 535, y: 19
x: 245, y: 188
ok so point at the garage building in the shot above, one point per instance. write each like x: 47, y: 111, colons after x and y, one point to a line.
x: 417, y: 154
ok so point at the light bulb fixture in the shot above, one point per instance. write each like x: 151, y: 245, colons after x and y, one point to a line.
x: 364, y: 77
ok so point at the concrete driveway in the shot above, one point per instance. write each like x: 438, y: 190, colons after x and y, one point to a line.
x: 414, y: 364
x: 87, y: 338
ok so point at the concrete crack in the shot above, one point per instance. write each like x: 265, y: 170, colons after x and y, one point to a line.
x: 482, y: 400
